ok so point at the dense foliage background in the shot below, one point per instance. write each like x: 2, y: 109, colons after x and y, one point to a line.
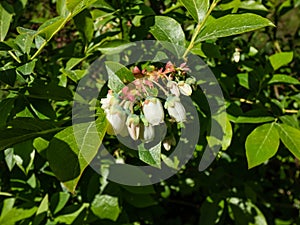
x: 45, y: 49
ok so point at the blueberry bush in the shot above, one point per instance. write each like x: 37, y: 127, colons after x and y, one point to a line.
x: 79, y: 103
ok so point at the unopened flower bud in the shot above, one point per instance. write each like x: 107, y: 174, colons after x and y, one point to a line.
x: 185, y: 88
x: 175, y: 109
x: 153, y: 111
x: 172, y: 85
x: 191, y: 80
x: 133, y: 126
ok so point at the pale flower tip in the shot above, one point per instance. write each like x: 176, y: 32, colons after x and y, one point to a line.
x: 185, y: 89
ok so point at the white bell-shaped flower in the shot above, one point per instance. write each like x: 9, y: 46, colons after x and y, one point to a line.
x: 175, y: 109
x: 117, y: 118
x: 153, y: 111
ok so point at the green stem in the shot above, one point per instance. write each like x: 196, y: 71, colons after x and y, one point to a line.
x: 14, y: 56
x: 199, y: 28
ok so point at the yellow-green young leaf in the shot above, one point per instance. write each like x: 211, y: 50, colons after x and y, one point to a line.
x: 169, y: 31
x: 280, y: 59
x: 290, y: 137
x: 231, y: 25
x: 72, y: 149
x: 106, y: 207
x: 261, y: 144
x: 282, y: 78
x: 197, y: 8
x: 6, y: 13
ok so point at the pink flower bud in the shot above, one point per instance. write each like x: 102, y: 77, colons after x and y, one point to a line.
x: 153, y: 111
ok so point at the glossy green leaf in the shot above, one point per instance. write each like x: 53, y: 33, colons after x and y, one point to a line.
x: 41, y: 212
x: 140, y: 200
x: 27, y: 68
x: 249, y: 119
x: 78, y: 144
x: 40, y: 145
x: 169, y: 31
x: 24, y: 41
x: 106, y: 207
x: 245, y: 212
x: 6, y: 105
x: 50, y: 27
x: 282, y: 78
x: 150, y: 156
x: 85, y: 25
x: 114, y: 46
x: 290, y: 137
x: 261, y: 144
x: 11, y: 136
x: 8, y: 76
x: 16, y: 214
x: 73, y: 212
x: 197, y: 8
x: 231, y: 25
x: 118, y: 75
x: 58, y: 201
x: 280, y: 59
x: 6, y: 13
x: 76, y: 6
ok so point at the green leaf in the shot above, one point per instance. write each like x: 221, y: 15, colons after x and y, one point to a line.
x: 150, y: 156
x: 261, y: 144
x: 11, y: 136
x: 117, y: 75
x: 6, y: 13
x: 231, y: 25
x: 106, y: 207
x: 16, y: 214
x: 196, y: 8
x: 114, y: 46
x: 290, y: 137
x: 281, y: 78
x: 280, y: 59
x: 24, y: 41
x: 73, y: 212
x: 27, y: 68
x: 76, y: 6
x: 211, y: 211
x: 8, y: 76
x: 41, y: 212
x: 85, y: 25
x: 169, y: 31
x: 79, y: 150
x: 58, y: 201
x: 50, y: 27
x: 249, y: 119
x: 6, y: 105
x: 140, y: 200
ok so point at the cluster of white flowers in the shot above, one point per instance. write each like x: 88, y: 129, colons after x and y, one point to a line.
x: 136, y: 109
